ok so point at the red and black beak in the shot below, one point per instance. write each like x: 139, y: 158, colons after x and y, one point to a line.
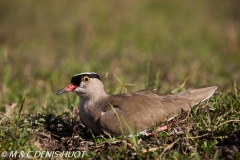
x: 68, y: 88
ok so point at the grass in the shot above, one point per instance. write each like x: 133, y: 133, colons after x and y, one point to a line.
x: 200, y: 133
x: 152, y: 44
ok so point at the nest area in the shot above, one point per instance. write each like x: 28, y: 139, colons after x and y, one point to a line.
x: 184, y: 135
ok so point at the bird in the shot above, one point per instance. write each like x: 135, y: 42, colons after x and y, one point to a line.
x: 126, y: 113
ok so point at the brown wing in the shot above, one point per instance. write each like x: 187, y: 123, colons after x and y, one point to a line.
x: 142, y: 110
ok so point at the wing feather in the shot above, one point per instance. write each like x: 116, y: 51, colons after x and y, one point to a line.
x: 141, y: 110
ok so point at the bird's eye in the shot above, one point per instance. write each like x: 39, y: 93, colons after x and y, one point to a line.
x: 85, y: 79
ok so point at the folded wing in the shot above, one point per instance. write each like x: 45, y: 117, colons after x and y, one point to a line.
x: 142, y: 110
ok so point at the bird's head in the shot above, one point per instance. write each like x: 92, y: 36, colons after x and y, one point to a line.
x: 84, y: 85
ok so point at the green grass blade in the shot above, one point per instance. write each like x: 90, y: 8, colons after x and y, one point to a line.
x: 20, y: 110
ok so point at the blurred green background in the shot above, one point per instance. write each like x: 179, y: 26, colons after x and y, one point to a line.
x: 148, y: 42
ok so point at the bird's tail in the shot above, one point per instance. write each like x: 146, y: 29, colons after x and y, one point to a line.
x: 198, y: 95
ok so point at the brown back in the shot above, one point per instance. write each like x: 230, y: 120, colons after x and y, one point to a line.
x: 142, y: 110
